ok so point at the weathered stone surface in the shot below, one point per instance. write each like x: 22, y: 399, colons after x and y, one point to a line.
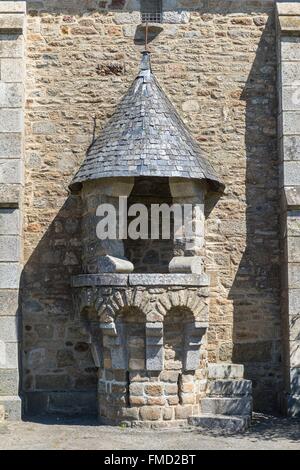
x: 254, y: 352
x: 294, y: 302
x: 127, y: 18
x: 9, y: 195
x: 11, y: 95
x: 11, y: 6
x: 168, y: 279
x: 44, y: 127
x: 289, y: 24
x: 63, y: 403
x: 53, y: 382
x: 13, y: 21
x: 10, y: 247
x: 108, y: 279
x: 9, y: 328
x: 150, y: 413
x: 294, y: 276
x: 175, y: 17
x: 229, y: 387
x: 9, y: 275
x: 11, y: 45
x: 288, y: 8
x: 111, y: 264
x: 12, y: 406
x: 291, y: 98
x: 10, y: 171
x: 227, y: 406
x: 291, y: 122
x: 181, y: 264
x: 295, y: 352
x: 12, y: 70
x: 290, y: 48
x: 10, y: 145
x: 9, y: 379
x: 11, y: 120
x: 183, y: 411
x: 9, y: 355
x: 37, y: 357
x: 225, y: 371
x: 227, y: 424
x: 293, y: 249
x: 154, y: 358
x: 292, y: 196
x: 291, y: 177
x: 294, y: 323
x: 9, y: 221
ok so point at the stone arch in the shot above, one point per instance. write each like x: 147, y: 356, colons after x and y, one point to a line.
x: 109, y: 308
x: 189, y: 300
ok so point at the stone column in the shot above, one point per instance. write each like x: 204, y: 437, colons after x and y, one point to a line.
x: 288, y: 36
x: 102, y: 198
x: 190, y: 237
x: 12, y: 63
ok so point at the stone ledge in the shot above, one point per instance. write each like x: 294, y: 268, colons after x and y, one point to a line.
x: 11, y: 22
x: 12, y: 7
x: 112, y: 279
x: 225, y: 424
x: 227, y: 406
x: 230, y: 388
x: 115, y: 279
x: 288, y: 8
x: 9, y: 195
x: 289, y: 24
x: 288, y: 18
x: 225, y: 371
x: 177, y: 279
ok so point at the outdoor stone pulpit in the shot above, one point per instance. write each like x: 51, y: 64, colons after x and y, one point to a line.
x: 145, y: 300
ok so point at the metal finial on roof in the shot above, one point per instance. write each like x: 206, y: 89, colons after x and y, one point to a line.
x: 146, y: 61
x: 145, y: 137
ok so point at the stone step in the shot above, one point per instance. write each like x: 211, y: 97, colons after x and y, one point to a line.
x: 225, y: 371
x: 227, y: 424
x: 231, y: 388
x: 227, y: 406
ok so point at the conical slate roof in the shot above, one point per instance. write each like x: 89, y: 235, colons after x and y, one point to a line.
x: 145, y: 137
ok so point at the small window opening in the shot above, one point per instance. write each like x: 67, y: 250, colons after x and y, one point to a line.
x: 151, y: 11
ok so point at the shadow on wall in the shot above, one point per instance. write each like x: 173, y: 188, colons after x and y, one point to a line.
x: 256, y: 288
x: 58, y: 370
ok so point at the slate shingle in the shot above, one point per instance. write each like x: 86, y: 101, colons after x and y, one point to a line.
x: 145, y: 137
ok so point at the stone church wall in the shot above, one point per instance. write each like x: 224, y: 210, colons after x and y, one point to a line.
x: 216, y: 61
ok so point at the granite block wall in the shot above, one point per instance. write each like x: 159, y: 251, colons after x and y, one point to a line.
x: 216, y: 60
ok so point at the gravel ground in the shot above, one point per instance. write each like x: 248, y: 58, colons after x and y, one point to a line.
x: 266, y: 432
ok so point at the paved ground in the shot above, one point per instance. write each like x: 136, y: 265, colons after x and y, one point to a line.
x: 267, y: 432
